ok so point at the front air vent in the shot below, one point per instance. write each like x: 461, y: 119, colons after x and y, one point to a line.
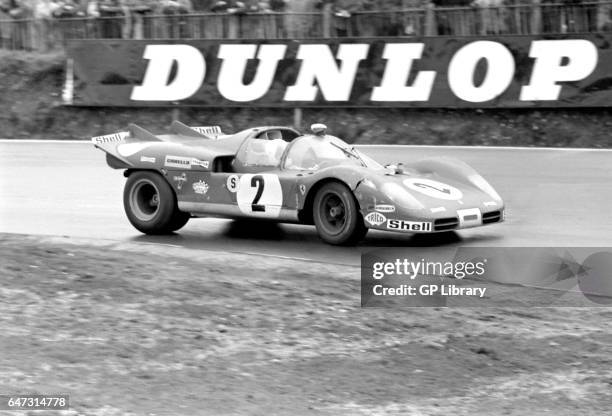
x: 446, y: 224
x: 491, y: 217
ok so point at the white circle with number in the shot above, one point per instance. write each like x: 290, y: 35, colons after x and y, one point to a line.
x: 260, y: 195
x: 434, y: 189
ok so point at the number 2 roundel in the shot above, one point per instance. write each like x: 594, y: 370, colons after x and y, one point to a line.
x: 434, y: 189
x: 260, y: 195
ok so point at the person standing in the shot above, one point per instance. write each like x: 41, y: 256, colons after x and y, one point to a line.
x: 112, y: 14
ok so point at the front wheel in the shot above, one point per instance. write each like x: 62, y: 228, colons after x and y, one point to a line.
x: 337, y: 216
x: 150, y: 204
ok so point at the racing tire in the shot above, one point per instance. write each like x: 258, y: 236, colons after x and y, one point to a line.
x: 179, y: 219
x: 150, y: 204
x: 336, y: 215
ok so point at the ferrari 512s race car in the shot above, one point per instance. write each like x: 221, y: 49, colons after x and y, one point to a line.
x: 279, y: 174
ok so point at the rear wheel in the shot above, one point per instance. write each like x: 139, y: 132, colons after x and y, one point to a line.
x: 150, y: 204
x: 337, y: 216
x: 179, y: 219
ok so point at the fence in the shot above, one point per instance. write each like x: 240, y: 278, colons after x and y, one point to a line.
x: 535, y: 18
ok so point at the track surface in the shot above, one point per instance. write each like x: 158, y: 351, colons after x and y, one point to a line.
x: 554, y: 198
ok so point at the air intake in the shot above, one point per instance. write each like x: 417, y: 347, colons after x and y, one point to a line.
x: 491, y: 217
x: 446, y: 224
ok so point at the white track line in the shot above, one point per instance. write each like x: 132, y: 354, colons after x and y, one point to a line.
x: 113, y: 242
x: 422, y: 146
x: 116, y: 242
x: 426, y: 146
x: 43, y: 141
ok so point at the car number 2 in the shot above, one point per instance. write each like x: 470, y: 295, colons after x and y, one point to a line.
x: 260, y: 195
x: 258, y: 182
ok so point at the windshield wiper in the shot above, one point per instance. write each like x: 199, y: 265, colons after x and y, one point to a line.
x: 351, y: 152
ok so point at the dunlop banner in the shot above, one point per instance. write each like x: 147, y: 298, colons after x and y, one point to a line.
x: 505, y: 71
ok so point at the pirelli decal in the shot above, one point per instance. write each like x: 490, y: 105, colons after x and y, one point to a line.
x: 183, y: 162
x: 178, y: 162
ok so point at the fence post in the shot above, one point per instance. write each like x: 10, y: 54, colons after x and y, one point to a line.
x: 175, y: 114
x: 297, y: 118
x: 430, y: 20
x: 68, y: 90
x: 536, y: 17
x: 483, y: 16
x: 327, y: 19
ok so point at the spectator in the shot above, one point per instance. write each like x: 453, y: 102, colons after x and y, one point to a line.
x: 342, y: 23
x: 604, y: 17
x: 176, y: 22
x: 297, y: 23
x: 219, y: 7
x: 68, y: 9
x: 17, y: 32
x: 210, y: 26
x: 492, y: 16
x: 185, y: 8
x: 274, y: 20
x: 138, y: 25
x: 111, y: 18
x: 71, y: 10
x: 278, y: 5
x: 381, y: 18
x: 5, y: 26
x: 563, y: 16
x: 252, y: 24
x: 200, y: 6
x: 449, y: 22
x: 578, y: 16
x: 45, y: 30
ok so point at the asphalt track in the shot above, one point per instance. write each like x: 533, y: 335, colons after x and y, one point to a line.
x: 554, y: 197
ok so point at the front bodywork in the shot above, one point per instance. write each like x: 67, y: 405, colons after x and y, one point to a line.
x: 423, y: 200
x: 200, y: 164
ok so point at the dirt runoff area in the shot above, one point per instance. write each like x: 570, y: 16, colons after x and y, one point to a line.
x: 142, y: 329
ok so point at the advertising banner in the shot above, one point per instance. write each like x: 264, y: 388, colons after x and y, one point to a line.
x: 434, y: 72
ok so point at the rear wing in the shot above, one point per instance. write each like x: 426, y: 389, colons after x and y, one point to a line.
x: 134, y: 132
x: 124, y: 149
x: 137, y: 133
x: 110, y: 138
x: 206, y: 132
x: 213, y: 131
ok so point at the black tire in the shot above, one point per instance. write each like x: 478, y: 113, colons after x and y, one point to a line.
x: 336, y: 215
x: 179, y: 219
x: 150, y: 204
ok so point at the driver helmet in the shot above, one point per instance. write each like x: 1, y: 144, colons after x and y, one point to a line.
x: 318, y: 129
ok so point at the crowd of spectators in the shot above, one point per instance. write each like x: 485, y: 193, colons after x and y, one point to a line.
x: 470, y: 17
x: 20, y: 9
x: 42, y: 21
x: 45, y: 22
